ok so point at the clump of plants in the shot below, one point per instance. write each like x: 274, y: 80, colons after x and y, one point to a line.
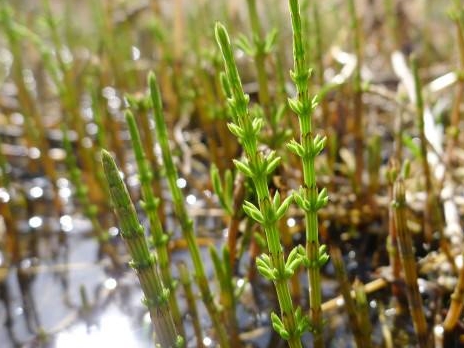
x: 274, y: 174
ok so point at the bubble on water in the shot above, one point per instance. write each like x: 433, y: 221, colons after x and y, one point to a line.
x: 135, y: 53
x: 4, y: 195
x: 65, y: 192
x: 191, y: 199
x: 108, y: 92
x: 34, y: 153
x: 181, y: 183
x: 291, y: 222
x: 110, y: 283
x: 17, y: 119
x: 438, y: 330
x: 459, y: 261
x: 133, y: 180
x: 66, y: 223
x: 114, y: 102
x: 86, y: 142
x: 35, y: 221
x: 36, y: 192
x: 62, y: 182
x: 113, y: 231
x: 207, y: 341
x: 91, y: 128
x: 19, y: 311
x: 390, y: 312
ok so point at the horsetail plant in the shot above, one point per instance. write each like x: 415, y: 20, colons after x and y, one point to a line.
x: 186, y: 282
x: 246, y: 126
x: 358, y: 95
x: 260, y: 48
x: 431, y: 214
x: 143, y: 262
x: 181, y: 212
x: 223, y: 270
x: 345, y: 289
x: 150, y: 205
x: 90, y: 210
x: 231, y: 195
x: 34, y: 123
x: 308, y: 198
x: 409, y: 266
x: 362, y: 310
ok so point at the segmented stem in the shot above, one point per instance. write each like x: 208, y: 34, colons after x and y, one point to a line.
x: 409, y: 267
x: 309, y: 198
x: 143, y: 262
x: 150, y: 205
x: 258, y: 166
x: 181, y: 212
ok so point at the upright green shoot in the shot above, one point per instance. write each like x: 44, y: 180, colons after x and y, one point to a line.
x: 150, y: 205
x: 308, y: 198
x: 143, y: 262
x: 246, y: 126
x: 181, y: 212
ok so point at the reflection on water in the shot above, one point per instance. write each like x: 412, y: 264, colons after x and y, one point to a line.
x: 112, y: 330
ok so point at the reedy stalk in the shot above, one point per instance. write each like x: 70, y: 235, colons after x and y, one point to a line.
x: 224, y: 275
x: 68, y: 90
x: 11, y: 243
x: 409, y: 267
x: 392, y: 240
x: 33, y: 120
x: 457, y: 302
x: 358, y: 95
x: 141, y: 107
x: 143, y: 262
x: 259, y: 55
x: 90, y: 210
x: 257, y: 166
x: 423, y: 149
x: 308, y: 198
x: 181, y: 212
x: 184, y: 279
x: 150, y: 205
x: 362, y: 310
x: 345, y: 289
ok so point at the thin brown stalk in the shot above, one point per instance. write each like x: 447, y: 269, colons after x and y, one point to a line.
x: 349, y: 304
x: 408, y: 263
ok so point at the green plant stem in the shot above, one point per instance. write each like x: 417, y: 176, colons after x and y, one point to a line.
x: 181, y: 212
x: 308, y: 149
x: 184, y: 278
x: 358, y: 128
x: 247, y: 127
x: 432, y: 218
x: 224, y: 276
x: 90, y: 210
x: 34, y: 122
x: 150, y: 205
x: 141, y: 106
x: 392, y: 240
x: 362, y: 310
x: 345, y: 289
x: 409, y: 267
x: 260, y: 56
x: 156, y: 296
